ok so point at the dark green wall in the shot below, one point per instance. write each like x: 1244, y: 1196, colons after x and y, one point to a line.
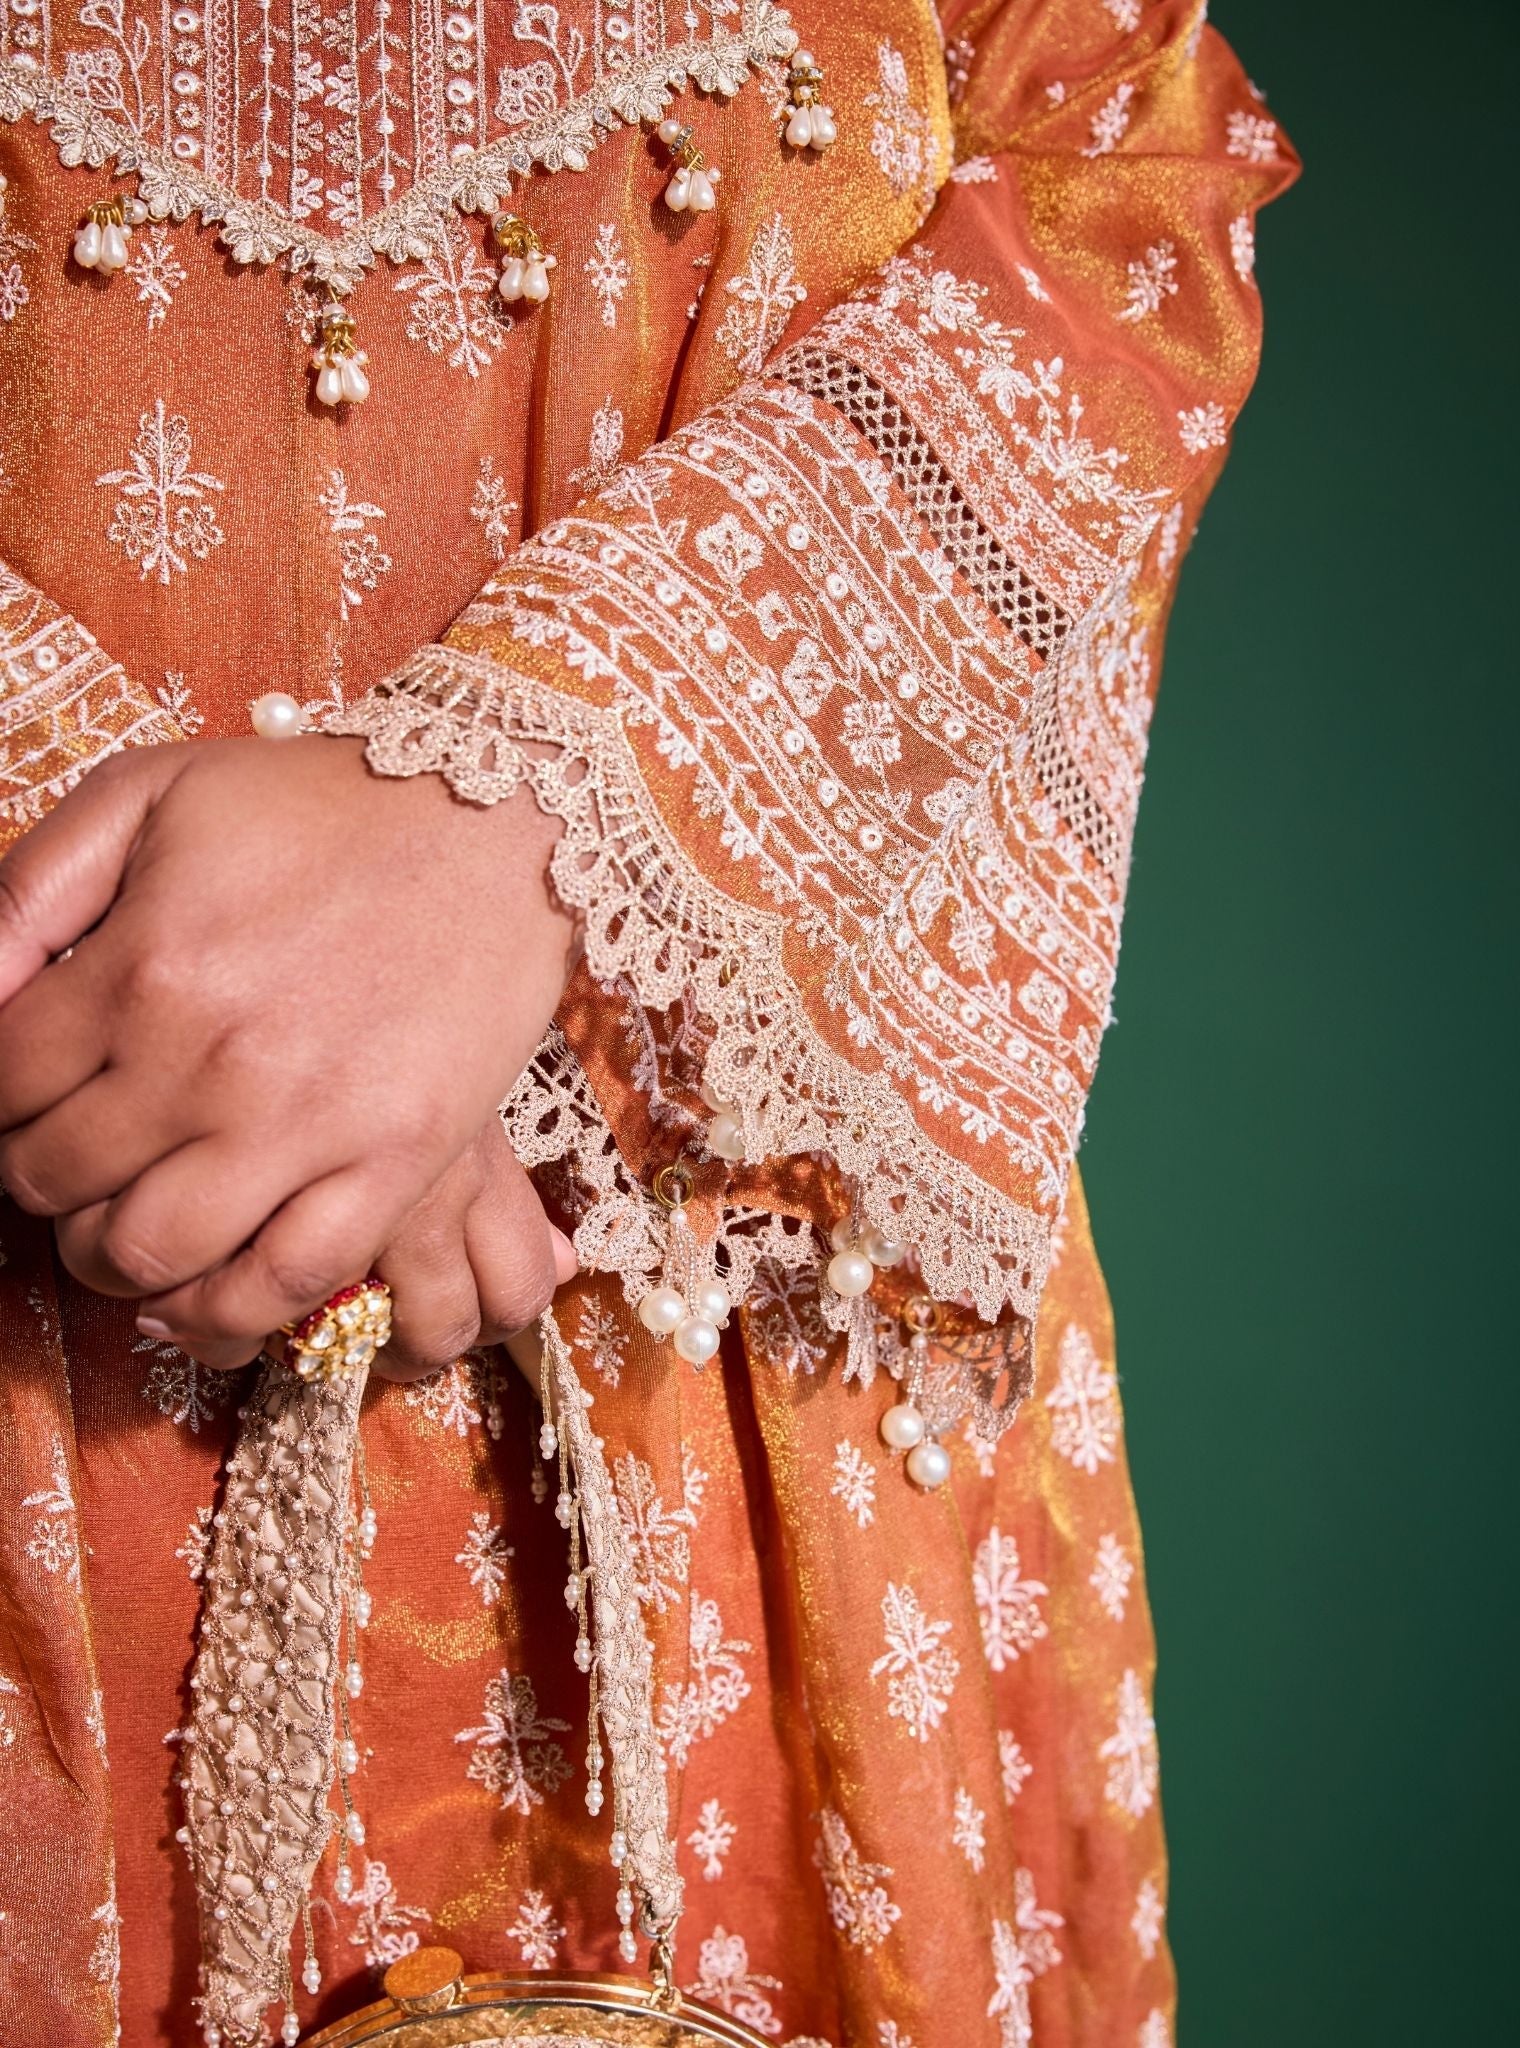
x: 1300, y: 1146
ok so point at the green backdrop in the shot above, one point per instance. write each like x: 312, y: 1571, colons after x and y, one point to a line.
x: 1299, y: 1152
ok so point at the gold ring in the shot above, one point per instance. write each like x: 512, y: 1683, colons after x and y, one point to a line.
x: 674, y: 1185
x: 343, y: 1335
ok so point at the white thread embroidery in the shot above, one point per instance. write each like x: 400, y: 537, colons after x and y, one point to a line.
x: 921, y: 1667
x: 164, y: 517
x: 712, y: 1838
x: 484, y: 1557
x: 1110, y: 1576
x: 1149, y: 1918
x: 855, y: 1483
x: 607, y: 268
x: 715, y: 1690
x: 1022, y: 1949
x: 1152, y: 282
x: 902, y: 137
x: 157, y: 273
x: 1015, y: 1766
x: 763, y: 294
x: 1133, y: 1770
x: 361, y: 559
x: 969, y: 1833
x: 493, y: 508
x: 859, y: 1904
x: 514, y: 1757
x: 1009, y: 1606
x: 384, y: 1928
x: 1084, y: 1402
x: 54, y: 1539
x: 536, y: 1931
x: 726, y: 1979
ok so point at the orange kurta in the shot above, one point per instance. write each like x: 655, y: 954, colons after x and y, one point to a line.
x: 887, y: 464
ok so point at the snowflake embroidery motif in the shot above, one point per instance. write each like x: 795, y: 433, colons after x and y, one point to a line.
x: 455, y: 310
x: 484, y: 1557
x: 1148, y: 1919
x: 1169, y: 539
x: 1252, y: 137
x: 858, y: 1901
x: 902, y: 137
x: 712, y: 1838
x: 173, y: 695
x: 785, y: 1317
x: 384, y: 1929
x: 196, y: 1548
x: 514, y: 1757
x: 1008, y: 1605
x: 607, y: 268
x: 1111, y: 122
x: 604, y: 453
x: 14, y: 292
x: 157, y: 273
x: 921, y: 1668
x: 1084, y: 1403
x: 1110, y: 1577
x: 715, y: 1689
x: 658, y: 1543
x: 1243, y: 245
x: 361, y: 559
x: 1125, y: 15
x: 1016, y: 1767
x: 493, y: 508
x: 727, y: 1980
x: 53, y: 1542
x: 179, y: 1388
x: 164, y: 516
x: 969, y: 1833
x: 1130, y: 1752
x: 1022, y: 1950
x: 603, y: 1340
x: 1203, y: 427
x: 460, y: 1397
x: 536, y: 1931
x: 1151, y: 282
x: 855, y: 1483
x: 763, y: 296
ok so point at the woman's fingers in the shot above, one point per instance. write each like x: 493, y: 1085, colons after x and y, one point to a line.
x: 95, y: 1144
x: 53, y: 1040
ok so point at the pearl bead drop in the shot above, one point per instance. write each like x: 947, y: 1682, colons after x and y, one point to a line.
x: 276, y: 716
x: 928, y: 1465
x: 850, y: 1273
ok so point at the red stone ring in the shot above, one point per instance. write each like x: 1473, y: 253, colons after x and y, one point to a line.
x: 343, y: 1335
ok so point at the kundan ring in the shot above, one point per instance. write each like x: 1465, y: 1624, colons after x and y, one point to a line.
x: 343, y: 1335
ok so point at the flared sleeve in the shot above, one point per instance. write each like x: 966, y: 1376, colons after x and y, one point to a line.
x: 842, y: 690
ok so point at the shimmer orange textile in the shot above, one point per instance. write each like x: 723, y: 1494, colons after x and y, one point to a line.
x: 811, y: 557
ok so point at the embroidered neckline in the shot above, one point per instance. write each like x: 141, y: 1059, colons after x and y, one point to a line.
x: 255, y: 231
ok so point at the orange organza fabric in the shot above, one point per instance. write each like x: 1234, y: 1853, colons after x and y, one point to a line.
x: 909, y: 1738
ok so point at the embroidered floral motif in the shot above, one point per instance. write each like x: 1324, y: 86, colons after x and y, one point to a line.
x: 173, y: 696
x: 1202, y: 427
x: 1152, y: 281
x: 1155, y: 2030
x: 104, y: 1964
x: 157, y: 273
x: 8, y: 1690
x: 1111, y: 1575
x: 1008, y: 1604
x: 493, y: 508
x: 658, y: 1541
x: 462, y: 1397
x: 14, y: 291
x: 603, y: 1340
x: 484, y: 1557
x: 384, y: 1928
x: 715, y: 1690
x: 165, y: 512
x: 1022, y: 1949
x: 859, y: 1903
x: 514, y: 1756
x: 1084, y: 1401
x: 727, y: 1982
x: 785, y: 1319
x: 712, y: 1838
x: 455, y: 309
x: 1243, y: 245
x: 604, y: 455
x: 179, y: 1388
x: 1015, y: 1766
x: 196, y: 1548
x: 1111, y: 122
x: 969, y: 1832
x: 902, y: 137
x: 921, y: 1667
x: 607, y: 268
x: 1149, y: 1918
x: 855, y: 1483
x: 536, y: 1931
x: 1131, y: 1751
x: 361, y: 559
x: 54, y: 1539
x: 1251, y: 136
x: 763, y: 294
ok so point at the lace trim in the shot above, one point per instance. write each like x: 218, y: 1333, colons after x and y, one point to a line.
x: 260, y: 1754
x: 253, y: 231
x: 651, y: 917
x: 976, y: 552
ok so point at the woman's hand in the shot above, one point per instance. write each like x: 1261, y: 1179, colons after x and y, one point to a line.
x: 303, y: 992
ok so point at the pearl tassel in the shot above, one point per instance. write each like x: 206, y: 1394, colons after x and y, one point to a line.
x: 100, y: 243
x: 687, y: 1306
x: 903, y: 1427
x: 690, y: 189
x: 525, y: 271
x: 339, y: 361
x: 810, y: 124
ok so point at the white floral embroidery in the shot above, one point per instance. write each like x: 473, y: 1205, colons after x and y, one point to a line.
x: 658, y: 1542
x: 890, y: 2035
x: 1125, y: 14
x: 855, y: 1482
x: 173, y: 694
x: 493, y: 508
x: 604, y: 1341
x: 361, y: 559
x: 1009, y: 1606
x: 1151, y: 281
x: 514, y: 1757
x: 1203, y: 427
x: 712, y: 1838
x: 1169, y: 535
x: 8, y: 1690
x: 1155, y: 2030
x: 921, y: 1667
x: 607, y: 268
x: 484, y: 1557
x: 604, y: 453
x: 1110, y: 1576
x: 1032, y: 283
x: 859, y: 1903
x: 104, y: 1964
x: 383, y: 1928
x: 785, y: 1318
x: 195, y: 1551
x: 1149, y: 1918
x: 1251, y: 136
x: 454, y: 305
x: 727, y: 1980
x: 14, y: 291
x: 969, y: 1832
x: 1085, y: 1403
x: 902, y: 137
x: 164, y: 513
x: 1243, y: 245
x: 713, y: 1692
x: 54, y: 1542
x: 1110, y: 123
x: 179, y: 1388
x: 1022, y: 1950
x: 157, y: 273
x: 536, y: 1931
x: 975, y: 170
x: 461, y: 1396
x: 1016, y: 1767
x: 1131, y: 1751
x: 763, y: 296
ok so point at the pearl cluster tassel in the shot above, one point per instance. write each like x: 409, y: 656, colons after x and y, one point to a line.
x: 904, y: 1427
x: 525, y: 268
x: 725, y: 1134
x: 101, y: 240
x: 845, y: 1290
x: 810, y: 124
x: 690, y: 189
x: 689, y: 1306
x: 339, y: 361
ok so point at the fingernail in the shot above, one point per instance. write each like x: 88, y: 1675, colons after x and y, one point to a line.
x: 152, y: 1327
x: 566, y: 1264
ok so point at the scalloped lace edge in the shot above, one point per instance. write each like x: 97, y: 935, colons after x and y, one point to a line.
x: 652, y: 918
